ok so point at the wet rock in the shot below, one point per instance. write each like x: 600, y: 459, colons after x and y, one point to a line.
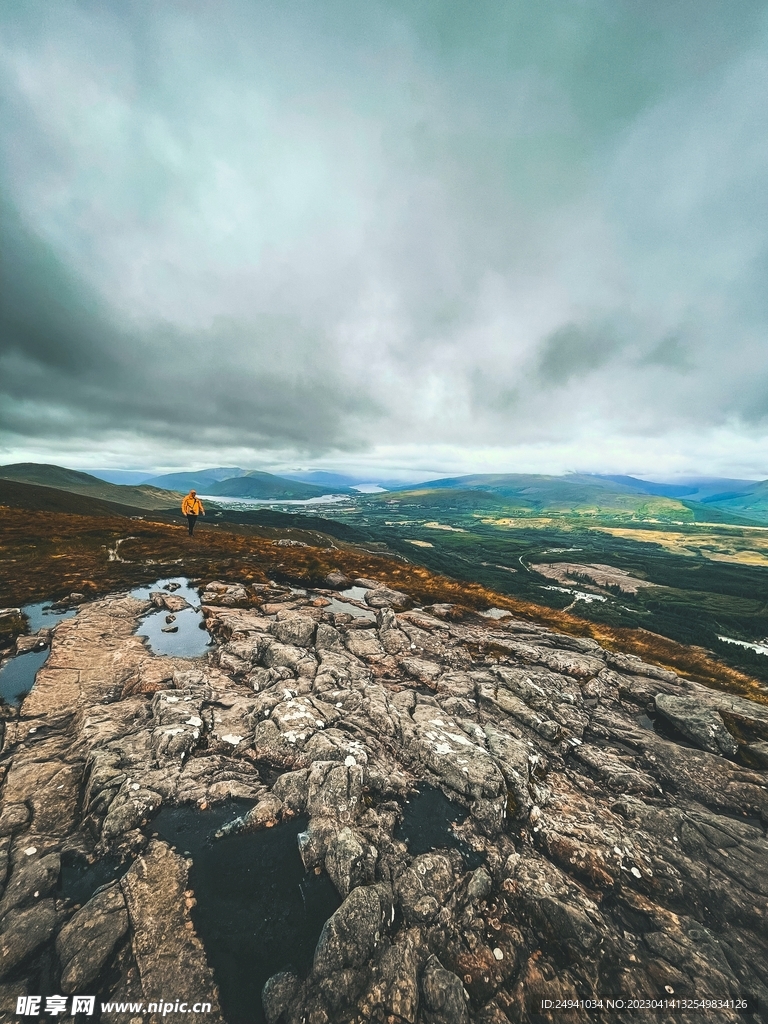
x: 423, y: 888
x: 352, y: 933
x: 166, y: 949
x: 87, y: 942
x: 168, y: 602
x: 32, y: 879
x: 23, y: 932
x: 702, y: 725
x: 443, y: 993
x: 337, y: 580
x: 384, y: 597
x: 278, y: 993
x: 344, y: 861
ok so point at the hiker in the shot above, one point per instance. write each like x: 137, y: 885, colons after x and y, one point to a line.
x: 192, y: 507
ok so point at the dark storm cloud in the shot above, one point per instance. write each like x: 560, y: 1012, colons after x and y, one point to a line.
x: 573, y: 351
x: 65, y: 364
x: 257, y: 230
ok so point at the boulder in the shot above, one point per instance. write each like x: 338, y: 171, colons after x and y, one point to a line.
x: 87, y: 942
x: 337, y: 580
x: 443, y: 994
x: 279, y: 991
x: 30, y: 881
x: 344, y: 861
x: 351, y: 934
x: 23, y: 933
x: 383, y: 597
x: 699, y: 723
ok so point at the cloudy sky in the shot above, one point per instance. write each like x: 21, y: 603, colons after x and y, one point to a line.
x: 396, y: 237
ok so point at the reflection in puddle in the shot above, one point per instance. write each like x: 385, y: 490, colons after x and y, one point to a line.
x: 349, y: 609
x: 42, y: 616
x: 426, y: 825
x: 355, y: 593
x: 258, y: 912
x: 189, y: 638
x: 17, y: 676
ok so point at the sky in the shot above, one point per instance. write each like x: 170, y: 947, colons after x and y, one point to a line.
x: 400, y: 239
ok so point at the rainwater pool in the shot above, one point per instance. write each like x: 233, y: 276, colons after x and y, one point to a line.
x: 258, y: 911
x: 189, y: 638
x: 17, y: 676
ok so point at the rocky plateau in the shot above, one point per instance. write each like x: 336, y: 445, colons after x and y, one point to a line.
x: 617, y: 811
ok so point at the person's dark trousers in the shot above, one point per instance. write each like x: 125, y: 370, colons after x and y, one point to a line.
x: 191, y: 520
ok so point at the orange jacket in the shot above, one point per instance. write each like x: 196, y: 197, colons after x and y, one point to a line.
x: 192, y: 506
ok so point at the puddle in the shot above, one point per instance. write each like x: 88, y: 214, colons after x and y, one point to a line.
x: 41, y: 616
x: 349, y: 609
x: 355, y: 593
x: 426, y: 826
x: 191, y: 639
x: 18, y: 675
x: 258, y: 911
x: 79, y: 880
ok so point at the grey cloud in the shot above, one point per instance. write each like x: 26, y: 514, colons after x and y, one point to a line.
x: 65, y: 365
x: 672, y: 353
x: 574, y: 351
x: 328, y: 227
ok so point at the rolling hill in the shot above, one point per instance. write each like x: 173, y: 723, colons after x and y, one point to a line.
x: 588, y: 495
x: 35, y: 497
x: 540, y: 494
x: 142, y: 497
x: 200, y: 479
x: 264, y: 486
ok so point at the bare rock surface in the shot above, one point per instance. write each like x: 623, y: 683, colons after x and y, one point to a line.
x: 615, y: 860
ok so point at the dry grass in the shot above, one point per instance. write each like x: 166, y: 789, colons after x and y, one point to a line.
x: 739, y: 544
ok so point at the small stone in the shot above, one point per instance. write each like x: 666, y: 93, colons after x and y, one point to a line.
x: 498, y: 953
x: 31, y: 851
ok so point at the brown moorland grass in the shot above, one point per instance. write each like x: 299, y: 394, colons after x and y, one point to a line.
x: 46, y: 555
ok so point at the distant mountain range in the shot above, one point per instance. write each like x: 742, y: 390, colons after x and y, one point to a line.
x: 709, y: 499
x: 266, y: 486
x: 162, y: 492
